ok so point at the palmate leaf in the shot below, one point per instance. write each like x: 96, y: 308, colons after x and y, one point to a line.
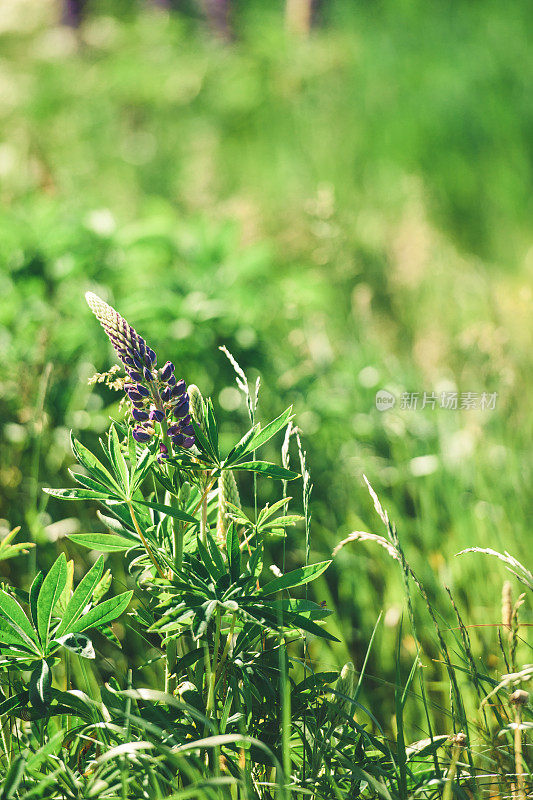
x: 14, y: 621
x: 263, y: 435
x: 13, y: 778
x: 94, y: 467
x: 50, y: 592
x: 118, y: 461
x: 81, y: 494
x: 103, y: 613
x: 104, y: 542
x: 8, y: 550
x: 77, y: 643
x: 81, y: 597
x: 274, y: 616
x: 234, y: 551
x: 297, y: 577
x: 40, y: 684
x: 172, y: 511
x: 267, y: 469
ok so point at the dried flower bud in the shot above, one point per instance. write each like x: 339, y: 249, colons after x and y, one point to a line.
x: 519, y: 697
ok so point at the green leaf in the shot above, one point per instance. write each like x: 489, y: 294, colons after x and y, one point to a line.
x: 80, y: 494
x: 82, y: 595
x: 87, y: 482
x: 35, y: 588
x: 15, y: 618
x: 215, y: 553
x: 212, y: 428
x: 203, y: 443
x: 13, y: 778
x: 267, y: 469
x: 93, y: 466
x: 118, y: 461
x: 240, y: 448
x: 77, y: 643
x: 14, y: 549
x: 53, y: 585
x: 14, y: 702
x: 104, y: 542
x: 207, y: 561
x: 263, y: 435
x: 40, y: 684
x: 234, y: 551
x: 170, y: 510
x: 297, y: 577
x: 105, y: 612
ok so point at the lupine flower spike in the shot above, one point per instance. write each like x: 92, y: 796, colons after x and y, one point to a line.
x: 155, y: 395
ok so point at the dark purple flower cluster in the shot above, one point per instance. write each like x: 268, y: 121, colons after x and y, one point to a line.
x: 155, y: 394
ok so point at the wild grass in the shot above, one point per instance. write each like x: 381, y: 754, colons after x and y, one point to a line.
x: 235, y: 705
x: 205, y: 189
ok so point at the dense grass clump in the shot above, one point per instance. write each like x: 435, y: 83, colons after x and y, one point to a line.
x: 222, y: 697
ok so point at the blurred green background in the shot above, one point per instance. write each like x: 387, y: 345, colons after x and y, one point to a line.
x: 347, y: 211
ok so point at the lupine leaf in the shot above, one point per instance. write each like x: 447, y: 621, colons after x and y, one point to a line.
x: 118, y: 461
x: 77, y: 643
x: 203, y: 443
x: 215, y: 553
x: 80, y: 494
x: 233, y: 551
x: 53, y: 585
x: 13, y: 640
x: 207, y: 561
x: 264, y: 434
x: 172, y: 511
x: 240, y: 448
x: 104, y: 542
x: 102, y: 613
x: 93, y: 466
x: 35, y: 588
x: 12, y: 703
x: 297, y: 577
x: 15, y: 618
x: 212, y: 428
x: 267, y: 469
x: 82, y: 595
x: 40, y: 684
x: 87, y: 482
x: 13, y: 778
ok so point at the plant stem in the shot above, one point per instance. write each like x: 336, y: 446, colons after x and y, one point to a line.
x: 143, y: 540
x: 213, y: 674
x: 227, y: 646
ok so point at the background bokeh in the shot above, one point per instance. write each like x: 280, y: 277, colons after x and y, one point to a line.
x: 347, y: 209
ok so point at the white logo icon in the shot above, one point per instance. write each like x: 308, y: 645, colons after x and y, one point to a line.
x: 384, y: 400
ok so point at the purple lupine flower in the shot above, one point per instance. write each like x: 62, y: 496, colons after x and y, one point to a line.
x: 156, y: 414
x: 167, y: 372
x: 155, y: 395
x: 141, y: 434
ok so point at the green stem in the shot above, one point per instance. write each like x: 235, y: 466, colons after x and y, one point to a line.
x: 227, y: 646
x: 210, y: 705
x: 143, y: 540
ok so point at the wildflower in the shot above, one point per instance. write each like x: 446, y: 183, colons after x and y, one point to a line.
x: 155, y: 395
